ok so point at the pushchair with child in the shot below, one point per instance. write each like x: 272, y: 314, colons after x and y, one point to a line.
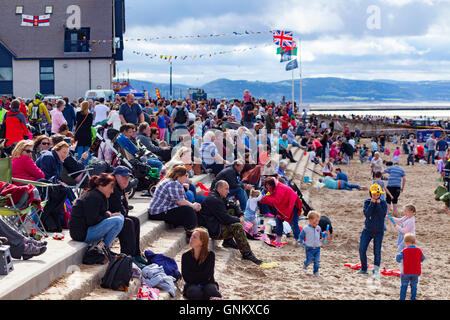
x: 145, y: 177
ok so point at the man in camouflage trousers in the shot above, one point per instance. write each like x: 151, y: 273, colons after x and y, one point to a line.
x: 225, y: 221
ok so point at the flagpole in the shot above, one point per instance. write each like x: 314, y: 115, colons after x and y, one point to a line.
x: 171, y: 80
x: 300, y: 69
x: 293, y: 99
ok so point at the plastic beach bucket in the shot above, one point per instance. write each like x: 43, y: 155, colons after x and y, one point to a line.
x: 306, y: 179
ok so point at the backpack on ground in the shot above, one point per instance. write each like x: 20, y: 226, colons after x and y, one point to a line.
x: 181, y: 116
x: 118, y: 274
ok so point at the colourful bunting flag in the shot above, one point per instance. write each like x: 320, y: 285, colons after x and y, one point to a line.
x: 285, y: 50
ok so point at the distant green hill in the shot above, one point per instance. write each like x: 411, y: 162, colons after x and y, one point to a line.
x: 315, y: 90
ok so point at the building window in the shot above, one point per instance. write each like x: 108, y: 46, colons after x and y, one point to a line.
x: 48, y: 9
x: 47, y: 76
x: 47, y: 73
x: 6, y: 74
x: 19, y: 9
x: 77, y: 40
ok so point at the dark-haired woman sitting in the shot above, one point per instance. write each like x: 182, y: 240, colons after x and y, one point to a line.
x: 90, y: 219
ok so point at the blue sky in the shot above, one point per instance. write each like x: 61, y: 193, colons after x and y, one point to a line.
x: 409, y: 41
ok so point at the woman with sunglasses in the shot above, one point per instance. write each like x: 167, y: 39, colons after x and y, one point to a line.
x: 41, y: 144
x: 23, y: 166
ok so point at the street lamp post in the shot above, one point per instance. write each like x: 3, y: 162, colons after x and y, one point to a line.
x: 171, y: 80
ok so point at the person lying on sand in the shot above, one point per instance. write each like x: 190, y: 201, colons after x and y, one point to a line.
x: 330, y: 183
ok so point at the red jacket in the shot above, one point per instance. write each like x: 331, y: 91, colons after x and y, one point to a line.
x: 24, y: 167
x: 16, y: 128
x: 412, y: 258
x: 24, y: 110
x: 283, y: 198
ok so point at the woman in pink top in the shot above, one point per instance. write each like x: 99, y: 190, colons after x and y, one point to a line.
x: 287, y: 203
x: 57, y: 116
x: 23, y: 167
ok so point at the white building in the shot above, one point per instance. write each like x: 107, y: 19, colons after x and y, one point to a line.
x: 54, y: 59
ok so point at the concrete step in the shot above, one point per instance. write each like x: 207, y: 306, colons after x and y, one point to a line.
x: 84, y: 282
x: 301, y: 168
x: 81, y: 279
x: 31, y: 277
x: 168, y: 244
x: 298, y: 154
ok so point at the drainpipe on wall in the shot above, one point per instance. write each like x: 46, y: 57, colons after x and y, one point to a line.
x: 90, y: 78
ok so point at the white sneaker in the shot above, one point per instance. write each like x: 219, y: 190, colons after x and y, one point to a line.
x: 305, y: 270
x: 316, y: 274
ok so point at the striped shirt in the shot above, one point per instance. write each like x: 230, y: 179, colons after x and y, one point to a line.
x: 395, y: 176
x: 167, y: 193
x: 208, y: 151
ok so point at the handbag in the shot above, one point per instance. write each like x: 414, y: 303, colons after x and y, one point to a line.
x: 97, y: 253
x: 78, y: 128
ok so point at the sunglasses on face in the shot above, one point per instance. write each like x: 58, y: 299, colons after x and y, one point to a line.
x: 28, y: 151
x: 45, y: 143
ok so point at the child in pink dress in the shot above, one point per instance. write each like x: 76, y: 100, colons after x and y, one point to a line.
x: 247, y: 96
x: 404, y: 225
x: 396, y: 155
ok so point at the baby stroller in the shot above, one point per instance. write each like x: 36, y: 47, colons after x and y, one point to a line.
x: 145, y: 177
x: 305, y: 206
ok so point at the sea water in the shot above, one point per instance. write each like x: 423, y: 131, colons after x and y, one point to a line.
x: 406, y: 110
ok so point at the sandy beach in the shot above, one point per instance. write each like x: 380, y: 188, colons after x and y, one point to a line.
x: 244, y: 280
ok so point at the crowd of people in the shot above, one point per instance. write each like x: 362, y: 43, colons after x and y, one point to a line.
x: 234, y: 141
x: 445, y: 124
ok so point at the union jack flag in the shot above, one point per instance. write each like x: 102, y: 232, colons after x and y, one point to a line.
x: 283, y: 38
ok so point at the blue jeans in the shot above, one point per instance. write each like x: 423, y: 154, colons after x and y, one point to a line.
x: 347, y: 186
x: 366, y: 237
x: 295, y: 143
x: 407, y: 279
x: 430, y: 155
x: 155, y: 163
x: 241, y: 195
x: 312, y: 255
x: 107, y: 230
x: 192, y: 195
x: 294, y: 225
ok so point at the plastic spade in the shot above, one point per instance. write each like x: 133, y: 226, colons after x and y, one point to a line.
x: 389, y: 216
x: 326, y: 234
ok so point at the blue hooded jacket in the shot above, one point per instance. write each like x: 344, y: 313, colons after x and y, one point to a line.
x: 375, y: 215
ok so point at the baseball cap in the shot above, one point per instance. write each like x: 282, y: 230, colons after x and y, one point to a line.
x: 122, y: 171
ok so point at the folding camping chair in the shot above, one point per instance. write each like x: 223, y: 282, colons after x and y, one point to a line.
x: 78, y: 188
x: 16, y: 217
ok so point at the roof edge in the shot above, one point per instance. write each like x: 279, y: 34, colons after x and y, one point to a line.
x: 7, y: 48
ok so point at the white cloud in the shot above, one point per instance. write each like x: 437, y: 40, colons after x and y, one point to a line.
x: 359, y: 47
x: 329, y: 46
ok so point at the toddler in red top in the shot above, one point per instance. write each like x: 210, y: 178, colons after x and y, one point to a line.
x: 411, y: 258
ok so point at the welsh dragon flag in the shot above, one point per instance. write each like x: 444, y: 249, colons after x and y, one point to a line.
x: 35, y: 21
